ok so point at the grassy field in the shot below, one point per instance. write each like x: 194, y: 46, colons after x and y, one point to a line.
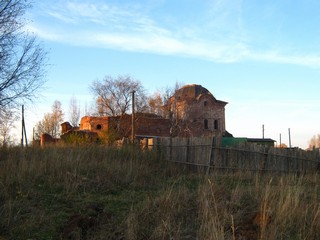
x: 106, y: 193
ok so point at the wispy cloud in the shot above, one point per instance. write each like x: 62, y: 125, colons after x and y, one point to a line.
x: 309, y: 60
x: 88, y: 10
x: 43, y: 33
x: 127, y: 28
x: 62, y: 17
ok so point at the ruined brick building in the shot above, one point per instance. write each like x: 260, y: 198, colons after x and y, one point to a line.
x: 191, y: 112
x: 194, y: 112
x: 197, y: 112
x: 120, y: 126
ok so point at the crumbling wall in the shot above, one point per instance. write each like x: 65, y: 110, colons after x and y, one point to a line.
x: 198, y: 112
x: 46, y: 139
x: 65, y: 127
x: 94, y: 124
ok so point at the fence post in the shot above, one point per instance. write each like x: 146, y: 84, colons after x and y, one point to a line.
x: 317, y: 158
x: 188, y: 150
x: 265, y: 159
x: 170, y: 149
x: 211, y: 156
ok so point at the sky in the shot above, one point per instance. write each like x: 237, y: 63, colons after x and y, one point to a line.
x: 262, y: 57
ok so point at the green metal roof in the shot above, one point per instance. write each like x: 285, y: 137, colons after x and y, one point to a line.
x: 231, y: 141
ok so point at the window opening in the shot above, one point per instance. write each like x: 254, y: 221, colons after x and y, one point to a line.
x: 216, y: 125
x: 206, y: 124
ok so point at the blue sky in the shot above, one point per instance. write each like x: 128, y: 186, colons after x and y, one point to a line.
x: 263, y: 57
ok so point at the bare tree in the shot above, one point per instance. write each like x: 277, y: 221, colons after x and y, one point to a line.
x: 74, y: 111
x: 57, y: 118
x: 163, y: 103
x: 44, y: 126
x: 51, y: 122
x: 21, y: 58
x: 160, y: 102
x: 314, y: 141
x: 7, y: 119
x: 113, y: 95
x: 156, y: 104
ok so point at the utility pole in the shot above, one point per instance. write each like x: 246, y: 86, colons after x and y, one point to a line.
x: 280, y: 141
x: 23, y: 129
x: 262, y: 131
x: 289, y: 137
x: 133, y: 127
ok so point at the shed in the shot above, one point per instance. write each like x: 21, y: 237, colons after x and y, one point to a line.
x: 233, y: 141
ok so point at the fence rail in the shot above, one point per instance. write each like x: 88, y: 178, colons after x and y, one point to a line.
x: 205, y: 152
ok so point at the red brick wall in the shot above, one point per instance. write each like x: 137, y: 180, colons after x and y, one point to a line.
x: 193, y: 112
x: 194, y: 105
x: 122, y: 125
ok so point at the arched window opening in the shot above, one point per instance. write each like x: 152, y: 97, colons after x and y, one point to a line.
x: 206, y: 124
x: 216, y: 125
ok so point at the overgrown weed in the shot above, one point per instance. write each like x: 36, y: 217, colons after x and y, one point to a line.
x: 48, y: 193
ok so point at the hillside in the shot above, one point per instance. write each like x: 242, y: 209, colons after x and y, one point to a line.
x: 108, y: 193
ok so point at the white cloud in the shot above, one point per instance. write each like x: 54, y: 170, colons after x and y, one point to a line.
x: 62, y: 17
x: 120, y: 27
x: 86, y: 9
x: 44, y: 34
x: 277, y: 57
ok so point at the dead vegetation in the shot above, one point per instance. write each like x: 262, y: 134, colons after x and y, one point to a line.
x: 108, y: 193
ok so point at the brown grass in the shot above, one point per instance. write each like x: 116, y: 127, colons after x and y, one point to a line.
x: 96, y: 192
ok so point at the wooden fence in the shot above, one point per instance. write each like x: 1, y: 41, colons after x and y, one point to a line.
x: 205, y: 152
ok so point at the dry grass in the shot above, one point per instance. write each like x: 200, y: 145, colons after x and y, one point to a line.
x: 107, y: 193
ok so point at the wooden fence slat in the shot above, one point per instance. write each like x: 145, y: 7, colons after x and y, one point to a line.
x: 204, y: 152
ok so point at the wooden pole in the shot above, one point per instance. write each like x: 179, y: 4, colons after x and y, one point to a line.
x: 22, y: 125
x: 289, y: 137
x: 25, y: 133
x: 133, y: 127
x: 23, y: 129
x: 280, y: 141
x: 211, y: 155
